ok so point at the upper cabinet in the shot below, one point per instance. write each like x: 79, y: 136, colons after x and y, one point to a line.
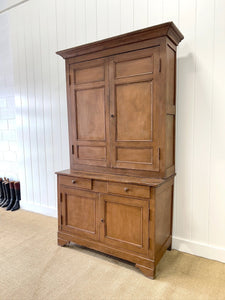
x: 121, y: 102
x: 134, y: 109
x: 88, y: 112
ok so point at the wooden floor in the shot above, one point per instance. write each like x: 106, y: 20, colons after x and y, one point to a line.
x: 32, y: 266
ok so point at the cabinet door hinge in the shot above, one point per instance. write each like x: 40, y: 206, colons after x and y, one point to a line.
x: 159, y: 153
x: 60, y: 198
x: 149, y: 214
x: 69, y: 79
x: 61, y: 220
x: 149, y: 243
x: 160, y: 65
x: 72, y: 149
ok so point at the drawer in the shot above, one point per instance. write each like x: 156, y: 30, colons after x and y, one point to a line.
x: 129, y: 189
x: 75, y: 182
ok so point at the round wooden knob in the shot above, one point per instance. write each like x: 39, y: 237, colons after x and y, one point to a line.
x: 112, y: 116
x: 102, y: 220
x: 126, y: 189
x: 73, y: 181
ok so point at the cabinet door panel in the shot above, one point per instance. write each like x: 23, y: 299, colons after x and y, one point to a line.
x: 88, y: 112
x: 125, y: 223
x: 80, y: 212
x: 134, y: 109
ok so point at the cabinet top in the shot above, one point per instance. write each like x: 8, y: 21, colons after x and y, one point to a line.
x: 165, y: 29
x: 114, y: 177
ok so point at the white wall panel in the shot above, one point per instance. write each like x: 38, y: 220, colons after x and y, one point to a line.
x: 140, y: 13
x: 155, y: 11
x: 80, y: 23
x: 91, y: 20
x: 40, y: 28
x: 202, y: 119
x: 127, y: 16
x: 217, y: 186
x: 186, y: 68
x: 102, y: 19
x: 114, y: 15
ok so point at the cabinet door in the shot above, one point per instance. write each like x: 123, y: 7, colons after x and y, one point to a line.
x: 134, y: 109
x: 88, y: 112
x: 125, y: 223
x: 79, y: 210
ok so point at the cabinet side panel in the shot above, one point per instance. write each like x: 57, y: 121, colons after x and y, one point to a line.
x: 170, y: 108
x: 170, y: 140
x: 171, y: 75
x: 163, y: 215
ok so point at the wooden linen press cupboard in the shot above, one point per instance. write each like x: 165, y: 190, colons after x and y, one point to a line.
x: 117, y: 196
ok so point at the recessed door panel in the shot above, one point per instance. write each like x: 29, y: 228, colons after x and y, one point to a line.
x: 128, y: 218
x: 91, y: 74
x: 134, y: 122
x: 134, y: 67
x: 80, y: 212
x: 89, y: 113
x: 125, y: 223
x: 134, y: 111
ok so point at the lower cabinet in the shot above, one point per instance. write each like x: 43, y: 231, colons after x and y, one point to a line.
x: 125, y: 223
x: 79, y: 212
x: 111, y: 218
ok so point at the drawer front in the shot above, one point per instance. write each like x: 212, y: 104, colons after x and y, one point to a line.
x: 75, y: 182
x: 129, y: 189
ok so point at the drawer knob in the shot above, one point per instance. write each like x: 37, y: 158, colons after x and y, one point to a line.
x: 73, y: 181
x: 126, y: 189
x: 102, y: 220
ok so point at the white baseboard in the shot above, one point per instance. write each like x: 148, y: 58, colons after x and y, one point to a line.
x: 52, y: 212
x: 199, y: 249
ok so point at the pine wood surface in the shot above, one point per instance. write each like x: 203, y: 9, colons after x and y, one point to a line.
x: 117, y: 196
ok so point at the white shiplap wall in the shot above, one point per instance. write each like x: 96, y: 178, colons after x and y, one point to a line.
x: 8, y: 134
x: 41, y: 27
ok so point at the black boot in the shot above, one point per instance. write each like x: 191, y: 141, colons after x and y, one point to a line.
x: 7, y: 191
x: 12, y: 196
x: 4, y: 193
x: 1, y: 191
x: 18, y: 197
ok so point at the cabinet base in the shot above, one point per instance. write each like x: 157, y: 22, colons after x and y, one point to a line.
x: 62, y: 242
x: 150, y: 273
x: 145, y: 265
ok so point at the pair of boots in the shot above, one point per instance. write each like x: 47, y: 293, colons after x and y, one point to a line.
x: 10, y: 194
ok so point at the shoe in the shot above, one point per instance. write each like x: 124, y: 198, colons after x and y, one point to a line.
x: 12, y: 196
x: 18, y: 196
x: 2, y: 199
x: 7, y: 192
x: 4, y: 193
x: 1, y: 191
